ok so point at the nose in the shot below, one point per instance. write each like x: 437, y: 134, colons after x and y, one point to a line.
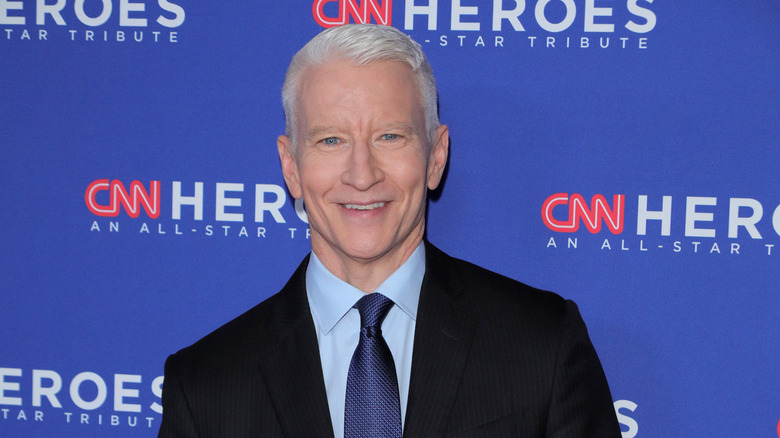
x: 362, y: 170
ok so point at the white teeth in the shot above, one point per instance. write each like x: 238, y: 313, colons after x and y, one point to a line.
x: 364, y: 207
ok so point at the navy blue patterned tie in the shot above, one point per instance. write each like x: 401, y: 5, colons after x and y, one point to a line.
x: 372, y: 407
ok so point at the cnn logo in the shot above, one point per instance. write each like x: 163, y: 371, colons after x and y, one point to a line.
x: 360, y: 11
x: 131, y: 200
x: 591, y: 216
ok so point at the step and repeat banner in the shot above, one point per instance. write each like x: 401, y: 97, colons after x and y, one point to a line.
x: 623, y: 153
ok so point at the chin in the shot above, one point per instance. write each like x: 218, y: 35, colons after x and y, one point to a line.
x: 367, y: 249
x: 366, y: 252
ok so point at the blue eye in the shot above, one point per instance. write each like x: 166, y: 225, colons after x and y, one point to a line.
x: 390, y: 137
x: 330, y: 141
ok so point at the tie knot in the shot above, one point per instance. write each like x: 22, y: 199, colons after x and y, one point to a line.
x: 373, y: 308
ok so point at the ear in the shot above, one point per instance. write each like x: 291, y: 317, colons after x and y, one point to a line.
x: 289, y: 166
x: 437, y: 160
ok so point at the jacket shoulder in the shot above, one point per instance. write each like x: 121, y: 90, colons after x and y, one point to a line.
x: 258, y: 329
x: 488, y: 294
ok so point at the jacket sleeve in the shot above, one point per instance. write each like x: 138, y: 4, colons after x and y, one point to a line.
x: 581, y: 404
x: 177, y: 420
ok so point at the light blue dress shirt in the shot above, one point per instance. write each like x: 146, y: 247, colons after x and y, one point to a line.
x: 338, y: 326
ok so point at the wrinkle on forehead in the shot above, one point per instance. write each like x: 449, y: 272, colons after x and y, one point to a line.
x: 324, y: 110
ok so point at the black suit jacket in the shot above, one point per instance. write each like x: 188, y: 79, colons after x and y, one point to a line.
x: 492, y: 358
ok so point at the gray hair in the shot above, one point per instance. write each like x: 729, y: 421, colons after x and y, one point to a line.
x: 362, y: 44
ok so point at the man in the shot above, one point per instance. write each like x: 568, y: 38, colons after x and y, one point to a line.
x: 443, y: 347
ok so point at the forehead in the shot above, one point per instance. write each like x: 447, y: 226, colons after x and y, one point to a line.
x: 340, y: 92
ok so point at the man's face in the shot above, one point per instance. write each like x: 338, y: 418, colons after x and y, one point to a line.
x: 363, y: 161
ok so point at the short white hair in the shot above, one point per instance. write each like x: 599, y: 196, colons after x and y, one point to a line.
x: 361, y: 44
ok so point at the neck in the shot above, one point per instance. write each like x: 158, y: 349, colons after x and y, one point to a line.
x: 365, y: 274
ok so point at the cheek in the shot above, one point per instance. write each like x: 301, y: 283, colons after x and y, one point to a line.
x: 317, y: 178
x: 412, y: 180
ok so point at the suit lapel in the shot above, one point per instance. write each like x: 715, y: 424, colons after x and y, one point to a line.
x: 443, y: 336
x: 292, y: 368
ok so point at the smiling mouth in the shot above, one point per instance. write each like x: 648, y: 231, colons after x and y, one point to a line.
x: 364, y: 207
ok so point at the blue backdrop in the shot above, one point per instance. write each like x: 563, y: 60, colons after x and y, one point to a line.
x: 672, y: 106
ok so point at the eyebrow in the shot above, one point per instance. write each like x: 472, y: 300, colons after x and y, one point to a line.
x: 318, y: 131
x: 401, y: 126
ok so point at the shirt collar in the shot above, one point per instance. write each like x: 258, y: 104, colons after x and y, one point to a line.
x: 331, y: 298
